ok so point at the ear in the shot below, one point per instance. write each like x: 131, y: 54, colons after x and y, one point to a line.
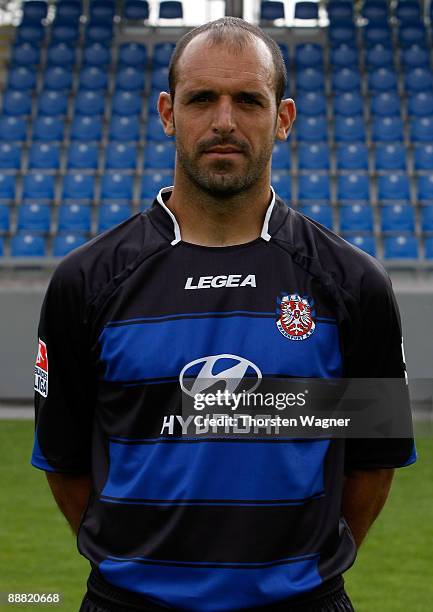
x: 165, y: 109
x: 285, y: 119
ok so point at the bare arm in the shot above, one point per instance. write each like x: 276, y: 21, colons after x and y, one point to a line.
x: 71, y: 494
x: 364, y: 495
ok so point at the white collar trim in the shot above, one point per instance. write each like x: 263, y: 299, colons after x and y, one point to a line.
x: 177, y: 237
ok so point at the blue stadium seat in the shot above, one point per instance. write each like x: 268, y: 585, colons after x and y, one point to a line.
x: 102, y: 11
x: 96, y: 54
x: 93, y: 77
x: 78, y: 186
x: 340, y: 11
x: 159, y: 78
x: 169, y: 9
x: 390, y: 156
x: 25, y: 54
x: 130, y: 79
x: 44, y: 156
x: 349, y: 129
x: 311, y: 129
x: 428, y: 247
x: 154, y: 130
x: 397, y: 218
x: 89, y: 103
x: 22, y: 78
x: 421, y: 104
x: 386, y: 104
x: 377, y: 33
x: 99, y: 32
x: 393, y: 186
x: 48, y: 129
x: 13, y: 129
x: 58, y: 78
x: 162, y: 53
x: 117, y: 186
x: 16, y: 103
x: 311, y: 103
x: 33, y: 33
x: 66, y: 32
x: 426, y: 217
x: 121, y: 156
x: 375, y: 10
x: 68, y: 11
x: 322, y: 213
x: 418, y: 79
x: 425, y: 187
x: 5, y: 218
x: 152, y: 183
x: 34, y: 11
x: 314, y: 186
x: 7, y: 186
x: 136, y: 10
x: 61, y: 54
x: 159, y: 155
x: 282, y: 183
x: 382, y: 79
x: 86, y: 128
x: 67, y: 242
x: 400, y: 246
x: 285, y: 53
x: 423, y: 157
x: 341, y: 33
x: 82, y: 156
x: 34, y: 217
x: 126, y: 103
x: 344, y: 56
x: 133, y: 54
x: 346, y: 79
x: 306, y: 10
x: 152, y: 103
x: 352, y: 156
x: 75, y: 218
x: 421, y: 129
x: 52, y: 103
x: 270, y: 11
x: 379, y: 56
x: 366, y: 243
x: 407, y: 11
x: 310, y: 79
x: 27, y: 244
x: 387, y: 129
x: 412, y: 34
x: 308, y: 55
x: 414, y: 56
x: 112, y: 214
x: 353, y: 186
x: 348, y: 103
x: 10, y: 156
x: 281, y: 156
x: 313, y: 156
x: 38, y: 186
x: 356, y: 217
x: 125, y: 129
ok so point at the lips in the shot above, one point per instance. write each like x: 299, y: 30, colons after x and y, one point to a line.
x: 223, y: 150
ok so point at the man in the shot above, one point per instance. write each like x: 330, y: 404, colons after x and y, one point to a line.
x: 190, y: 288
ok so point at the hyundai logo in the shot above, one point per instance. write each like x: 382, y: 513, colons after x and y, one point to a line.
x: 229, y: 371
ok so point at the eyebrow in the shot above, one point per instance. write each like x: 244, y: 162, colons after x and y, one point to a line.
x: 190, y: 95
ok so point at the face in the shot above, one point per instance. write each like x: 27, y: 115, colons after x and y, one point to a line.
x: 224, y: 115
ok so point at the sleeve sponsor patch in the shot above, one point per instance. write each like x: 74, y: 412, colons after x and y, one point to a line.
x: 41, y: 369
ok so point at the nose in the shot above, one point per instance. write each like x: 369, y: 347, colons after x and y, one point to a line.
x: 223, y: 119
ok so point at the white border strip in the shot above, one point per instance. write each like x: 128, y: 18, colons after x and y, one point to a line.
x: 177, y: 236
x: 265, y: 234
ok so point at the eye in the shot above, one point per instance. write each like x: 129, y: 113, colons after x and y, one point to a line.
x: 246, y: 99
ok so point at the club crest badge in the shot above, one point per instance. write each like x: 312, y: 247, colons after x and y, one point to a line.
x: 295, y: 316
x: 41, y: 369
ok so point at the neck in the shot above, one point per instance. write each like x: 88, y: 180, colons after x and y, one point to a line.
x: 209, y: 220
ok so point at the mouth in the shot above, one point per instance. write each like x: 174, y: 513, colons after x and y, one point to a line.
x: 223, y: 151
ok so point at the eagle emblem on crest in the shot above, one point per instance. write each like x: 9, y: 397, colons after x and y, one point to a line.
x: 295, y: 316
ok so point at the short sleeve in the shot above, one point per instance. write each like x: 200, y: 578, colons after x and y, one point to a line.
x: 64, y: 380
x: 379, y: 354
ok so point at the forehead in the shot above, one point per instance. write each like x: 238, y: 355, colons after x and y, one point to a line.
x: 222, y: 65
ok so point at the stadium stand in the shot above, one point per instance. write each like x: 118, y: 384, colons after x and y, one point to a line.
x: 82, y: 147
